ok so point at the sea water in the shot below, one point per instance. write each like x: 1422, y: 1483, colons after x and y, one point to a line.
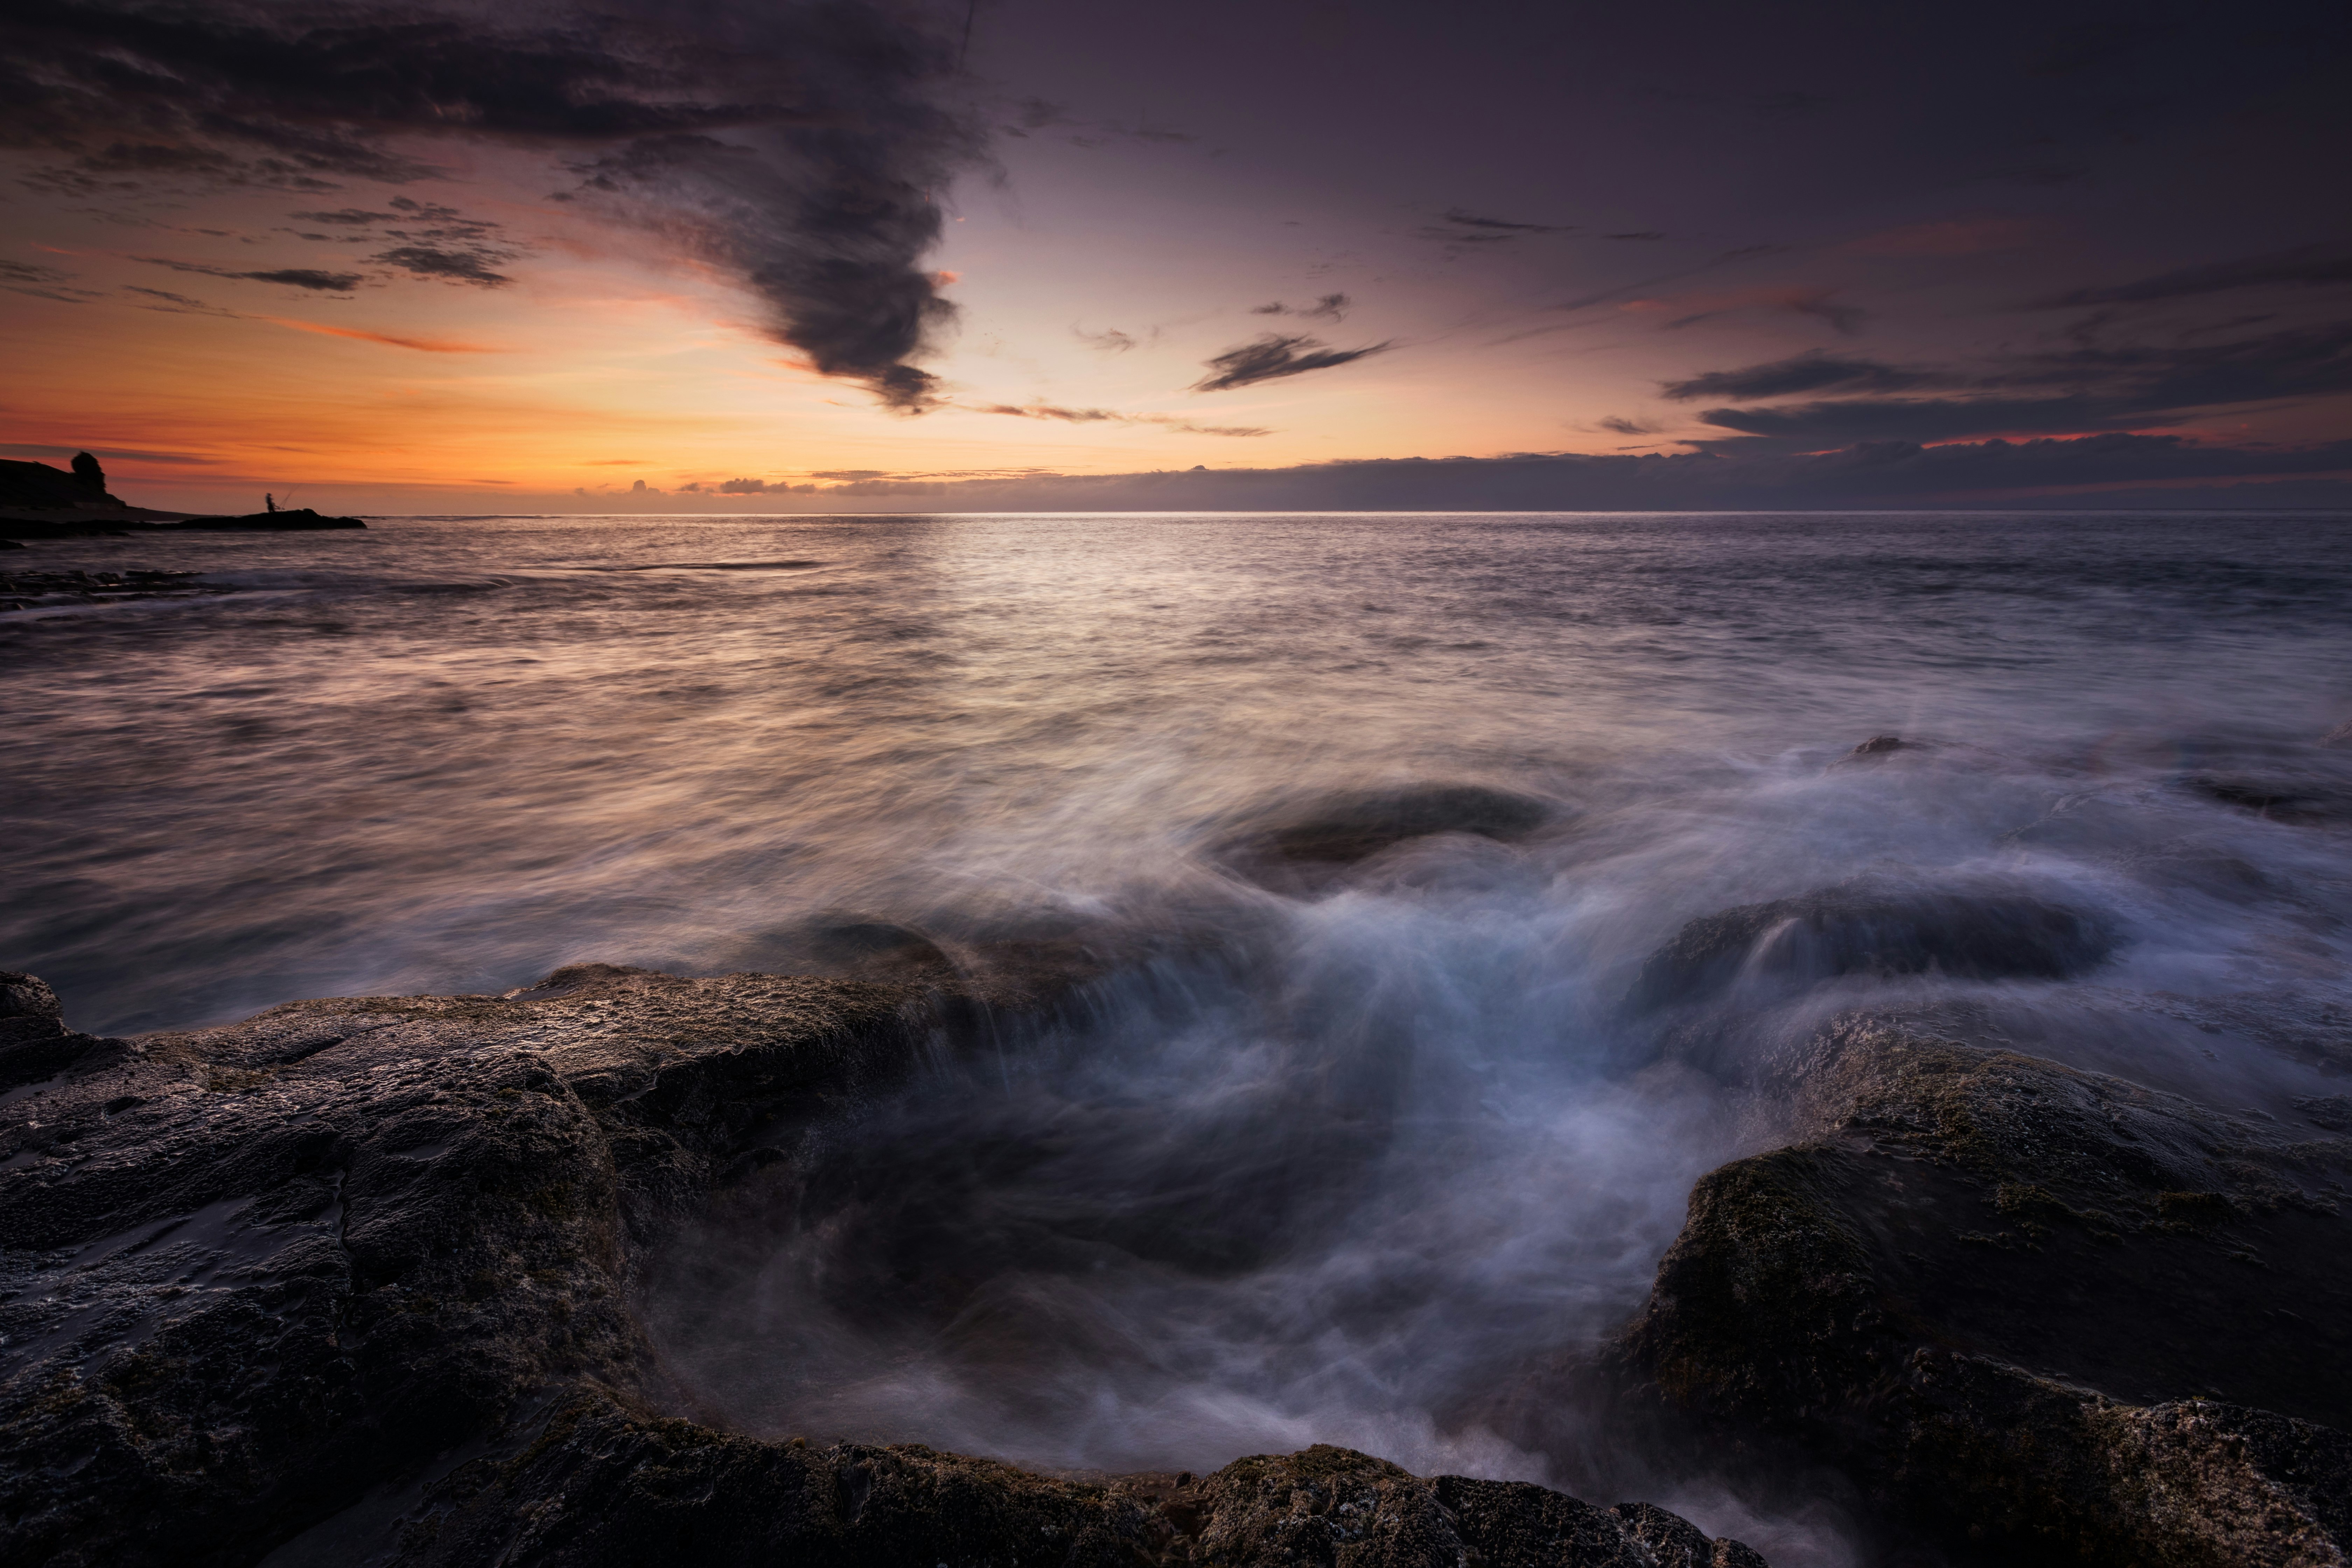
x: 1349, y: 1158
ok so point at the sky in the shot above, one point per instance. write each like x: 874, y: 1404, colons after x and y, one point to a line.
x: 1015, y: 254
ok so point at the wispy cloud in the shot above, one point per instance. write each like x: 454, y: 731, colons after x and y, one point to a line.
x: 1276, y: 356
x: 390, y: 339
x: 2309, y: 266
x: 1172, y: 422
x: 1329, y: 307
x: 314, y: 279
x: 1110, y: 340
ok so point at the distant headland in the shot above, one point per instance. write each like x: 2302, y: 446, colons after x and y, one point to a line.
x: 37, y: 502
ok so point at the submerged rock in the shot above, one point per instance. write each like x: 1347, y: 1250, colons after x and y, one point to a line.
x: 2302, y: 799
x: 1877, y: 749
x: 1861, y: 928
x: 1309, y: 840
x: 352, y: 1280
x: 2029, y: 1306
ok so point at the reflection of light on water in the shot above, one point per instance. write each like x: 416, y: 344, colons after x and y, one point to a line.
x: 449, y: 755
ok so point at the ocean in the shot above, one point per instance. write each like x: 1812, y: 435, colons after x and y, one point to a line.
x: 1347, y: 1150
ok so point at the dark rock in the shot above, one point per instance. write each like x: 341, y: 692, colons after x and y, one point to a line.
x: 603, y: 1486
x: 1865, y: 928
x: 41, y: 590
x: 2311, y: 801
x: 352, y: 1280
x: 299, y: 520
x: 2332, y: 1111
x: 37, y: 486
x: 2043, y: 1311
x: 1314, y: 837
x: 1877, y: 749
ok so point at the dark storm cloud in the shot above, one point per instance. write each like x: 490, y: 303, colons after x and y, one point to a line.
x: 1805, y: 372
x: 2308, y: 266
x: 310, y: 277
x: 1329, y: 307
x: 800, y: 147
x: 1273, y: 356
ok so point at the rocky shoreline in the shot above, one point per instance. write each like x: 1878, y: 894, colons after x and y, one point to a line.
x: 352, y: 1281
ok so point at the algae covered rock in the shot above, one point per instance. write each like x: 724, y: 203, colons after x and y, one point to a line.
x: 2028, y: 1304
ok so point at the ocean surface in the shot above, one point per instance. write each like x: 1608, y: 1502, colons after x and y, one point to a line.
x: 1355, y: 1150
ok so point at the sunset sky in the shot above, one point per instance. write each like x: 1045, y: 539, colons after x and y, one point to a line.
x: 394, y: 258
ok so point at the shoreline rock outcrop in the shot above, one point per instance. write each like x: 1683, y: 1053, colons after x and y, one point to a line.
x: 2044, y: 1313
x: 350, y: 1281
x: 354, y: 1280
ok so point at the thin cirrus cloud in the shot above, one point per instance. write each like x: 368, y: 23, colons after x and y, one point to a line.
x: 1690, y: 310
x: 2308, y: 266
x: 390, y: 339
x: 1274, y: 356
x: 316, y: 281
x: 1329, y: 307
x: 797, y: 148
x: 1172, y: 422
x: 1462, y: 228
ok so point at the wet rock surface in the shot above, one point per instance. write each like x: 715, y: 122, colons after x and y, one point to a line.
x: 351, y: 1281
x: 607, y: 1487
x: 42, y: 590
x: 1304, y: 846
x: 1861, y: 928
x: 2035, y: 1310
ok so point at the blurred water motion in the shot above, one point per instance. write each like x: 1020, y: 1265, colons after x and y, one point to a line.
x: 1381, y: 1131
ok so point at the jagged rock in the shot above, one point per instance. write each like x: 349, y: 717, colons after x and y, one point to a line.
x: 2033, y: 1308
x: 37, y: 486
x: 351, y: 1281
x: 601, y: 1486
x: 1864, y: 929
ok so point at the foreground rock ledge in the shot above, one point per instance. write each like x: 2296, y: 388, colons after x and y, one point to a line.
x: 2049, y: 1313
x: 349, y: 1282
